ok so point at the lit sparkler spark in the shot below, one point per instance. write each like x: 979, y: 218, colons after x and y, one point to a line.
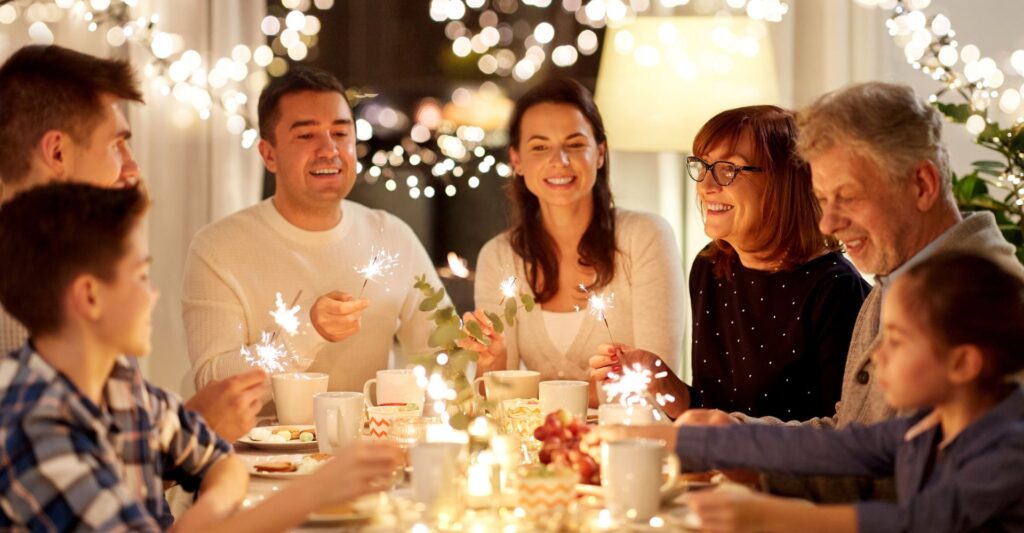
x: 266, y: 354
x: 286, y: 317
x: 598, y: 306
x: 632, y: 387
x: 381, y: 264
x: 509, y: 286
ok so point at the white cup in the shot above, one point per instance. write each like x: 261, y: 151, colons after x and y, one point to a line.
x: 629, y: 415
x: 573, y: 396
x: 631, y: 476
x: 293, y: 395
x: 339, y: 417
x: 501, y: 385
x: 394, y: 387
x: 435, y: 472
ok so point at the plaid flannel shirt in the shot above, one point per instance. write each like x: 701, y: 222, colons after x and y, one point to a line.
x: 67, y: 464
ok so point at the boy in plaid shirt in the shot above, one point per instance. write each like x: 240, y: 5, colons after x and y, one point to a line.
x: 87, y: 443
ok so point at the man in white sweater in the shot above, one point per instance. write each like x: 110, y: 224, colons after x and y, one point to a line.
x: 61, y: 120
x: 305, y: 241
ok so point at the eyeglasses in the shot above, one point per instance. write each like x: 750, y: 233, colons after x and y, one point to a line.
x: 723, y: 172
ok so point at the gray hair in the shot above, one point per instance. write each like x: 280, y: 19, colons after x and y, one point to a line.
x: 885, y: 122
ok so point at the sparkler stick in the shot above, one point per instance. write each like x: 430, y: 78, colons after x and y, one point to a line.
x: 598, y: 305
x: 509, y: 286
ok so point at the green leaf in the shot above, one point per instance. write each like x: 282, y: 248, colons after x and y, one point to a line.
x: 956, y: 112
x: 990, y: 164
x: 969, y: 187
x: 510, y: 312
x: 443, y: 314
x: 499, y: 326
x: 528, y: 301
x: 430, y: 303
x: 444, y: 336
x: 477, y: 333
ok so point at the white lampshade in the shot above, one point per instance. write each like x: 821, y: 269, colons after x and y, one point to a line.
x: 662, y: 78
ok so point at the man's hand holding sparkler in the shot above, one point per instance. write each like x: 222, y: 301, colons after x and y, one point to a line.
x: 337, y: 316
x: 607, y: 365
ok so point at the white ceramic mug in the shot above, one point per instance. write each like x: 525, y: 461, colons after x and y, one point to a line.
x: 573, y: 396
x: 396, y: 386
x: 339, y: 418
x: 503, y: 385
x: 380, y: 417
x: 631, y: 476
x: 435, y: 472
x: 629, y: 415
x: 293, y: 395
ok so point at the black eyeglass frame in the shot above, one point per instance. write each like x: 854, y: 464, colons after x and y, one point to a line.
x: 710, y: 167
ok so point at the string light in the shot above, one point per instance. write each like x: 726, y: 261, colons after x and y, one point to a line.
x: 514, y: 48
x: 173, y: 69
x: 930, y: 45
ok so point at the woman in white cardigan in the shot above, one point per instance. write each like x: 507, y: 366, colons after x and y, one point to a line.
x: 566, y: 231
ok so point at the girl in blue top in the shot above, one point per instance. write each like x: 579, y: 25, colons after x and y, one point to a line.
x: 952, y: 335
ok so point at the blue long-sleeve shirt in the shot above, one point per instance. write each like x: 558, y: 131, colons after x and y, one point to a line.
x: 976, y: 480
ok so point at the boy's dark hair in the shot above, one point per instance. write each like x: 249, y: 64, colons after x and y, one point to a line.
x: 52, y: 233
x: 297, y: 79
x: 968, y: 299
x: 45, y: 88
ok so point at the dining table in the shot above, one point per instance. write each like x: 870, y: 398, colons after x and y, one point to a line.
x: 396, y: 509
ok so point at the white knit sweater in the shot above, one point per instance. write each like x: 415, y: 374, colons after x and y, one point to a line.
x: 648, y: 312
x: 236, y: 265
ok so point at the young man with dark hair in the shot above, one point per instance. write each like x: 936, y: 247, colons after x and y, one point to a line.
x: 61, y: 120
x: 307, y: 238
x: 87, y: 442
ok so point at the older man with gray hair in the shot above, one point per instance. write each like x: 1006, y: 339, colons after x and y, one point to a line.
x: 881, y: 174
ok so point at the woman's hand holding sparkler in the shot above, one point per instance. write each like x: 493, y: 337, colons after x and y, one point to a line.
x: 613, y: 360
x: 337, y: 316
x: 493, y: 355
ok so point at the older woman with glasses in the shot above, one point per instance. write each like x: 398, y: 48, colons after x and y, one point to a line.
x: 774, y: 300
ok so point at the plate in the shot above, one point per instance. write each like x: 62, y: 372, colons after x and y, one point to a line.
x: 293, y: 445
x: 252, y: 460
x: 667, y: 494
x: 362, y: 509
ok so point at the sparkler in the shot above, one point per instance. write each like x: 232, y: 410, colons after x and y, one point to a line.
x: 509, y: 287
x: 286, y: 318
x: 266, y: 354
x: 598, y: 306
x: 381, y: 264
x: 632, y: 387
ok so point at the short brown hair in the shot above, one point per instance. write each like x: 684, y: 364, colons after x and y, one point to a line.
x: 297, y: 79
x: 884, y: 122
x: 964, y: 298
x: 52, y: 233
x: 45, y: 88
x: 789, y: 211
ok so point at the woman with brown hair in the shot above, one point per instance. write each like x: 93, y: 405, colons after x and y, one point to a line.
x: 566, y: 231
x: 774, y: 300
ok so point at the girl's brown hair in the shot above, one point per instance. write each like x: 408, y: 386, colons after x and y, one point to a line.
x: 527, y: 235
x: 968, y: 299
x: 789, y: 211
